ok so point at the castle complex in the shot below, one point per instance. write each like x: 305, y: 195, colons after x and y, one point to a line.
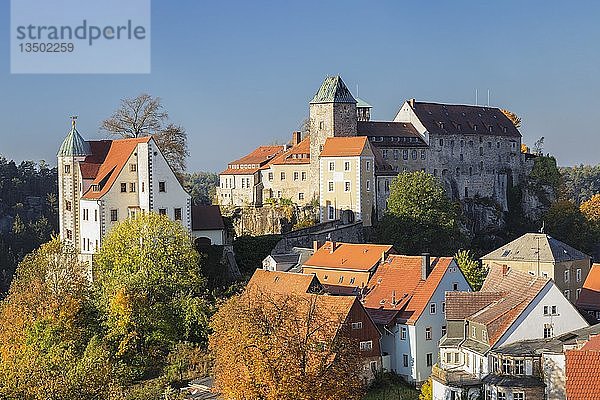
x: 347, y: 162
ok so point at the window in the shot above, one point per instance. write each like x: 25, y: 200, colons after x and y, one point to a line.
x: 429, y: 357
x: 455, y: 286
x: 405, y: 154
x: 548, y: 331
x: 519, y: 367
x: 368, y: 186
x: 473, y: 332
x: 553, y: 310
x: 352, y: 280
x: 484, y: 334
x: 402, y: 333
x: 85, y: 214
x: 577, y: 293
x: 567, y: 294
x: 282, y: 176
x: 113, y: 215
x: 441, y: 140
x: 368, y: 165
x: 296, y: 176
x: 331, y: 165
x: 69, y: 234
x: 444, y: 330
x: 178, y: 214
x: 432, y: 308
x: 331, y: 213
x: 444, y: 307
x: 162, y: 211
x: 95, y: 215
x: 303, y: 176
x: 330, y: 186
x: 566, y: 276
x: 396, y: 154
x: 546, y: 310
x: 506, y: 366
x: 142, y: 187
x: 132, y: 187
x: 413, y: 154
x: 578, y: 274
x: 405, y: 360
x: 341, y: 279
x: 123, y: 187
x: 300, y: 196
x: 133, y: 167
x: 357, y: 325
x: 68, y: 205
x: 321, y: 124
x: 270, y: 176
x: 501, y: 396
x: 423, y: 154
x: 428, y: 333
x: 347, y: 166
x: 162, y: 186
x: 366, y: 346
x: 481, y: 151
x: 67, y: 168
x: 346, y: 186
x: 519, y: 396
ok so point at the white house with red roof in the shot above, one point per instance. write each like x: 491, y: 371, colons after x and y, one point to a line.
x: 104, y: 182
x: 406, y: 299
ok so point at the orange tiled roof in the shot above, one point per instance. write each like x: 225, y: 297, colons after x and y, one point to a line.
x: 460, y: 305
x: 397, y: 285
x: 252, y: 162
x: 593, y: 344
x: 282, y: 282
x: 119, y: 152
x: 583, y: 374
x: 344, y: 146
x: 589, y: 298
x: 299, y: 154
x: 350, y: 256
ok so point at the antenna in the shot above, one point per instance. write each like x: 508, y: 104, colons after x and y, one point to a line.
x: 488, y: 104
x: 357, y: 95
x: 475, y: 96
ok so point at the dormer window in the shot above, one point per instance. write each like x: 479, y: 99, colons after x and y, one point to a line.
x: 491, y: 129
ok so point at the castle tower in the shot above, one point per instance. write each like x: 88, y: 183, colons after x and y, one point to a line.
x: 332, y: 113
x: 72, y: 151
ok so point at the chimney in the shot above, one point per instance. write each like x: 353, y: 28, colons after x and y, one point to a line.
x: 425, y: 265
x: 383, y: 257
x: 505, y: 269
x: 296, y: 138
x: 412, y: 103
x: 315, y: 245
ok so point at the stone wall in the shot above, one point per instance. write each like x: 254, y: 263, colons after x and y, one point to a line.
x: 266, y: 220
x: 332, y: 230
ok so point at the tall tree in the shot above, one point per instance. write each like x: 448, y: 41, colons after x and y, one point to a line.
x: 145, y: 115
x: 151, y: 294
x: 420, y: 217
x: 565, y: 222
x: 514, y: 118
x: 474, y: 273
x: 284, y: 347
x: 49, y: 343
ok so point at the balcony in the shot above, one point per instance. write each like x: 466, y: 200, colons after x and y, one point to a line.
x: 455, y: 378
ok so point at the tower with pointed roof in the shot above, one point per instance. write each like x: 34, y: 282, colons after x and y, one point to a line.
x: 332, y: 113
x: 73, y: 150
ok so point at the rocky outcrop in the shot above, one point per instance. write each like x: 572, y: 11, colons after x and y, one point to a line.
x: 268, y: 219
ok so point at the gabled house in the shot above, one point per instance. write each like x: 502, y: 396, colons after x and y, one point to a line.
x: 345, y: 268
x: 542, y: 255
x: 291, y: 261
x: 207, y: 225
x: 356, y: 322
x: 589, y: 299
x: 405, y: 298
x: 511, y: 306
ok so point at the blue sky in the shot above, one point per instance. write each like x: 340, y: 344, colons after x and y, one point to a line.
x: 237, y: 74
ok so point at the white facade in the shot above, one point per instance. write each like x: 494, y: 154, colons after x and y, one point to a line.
x: 216, y: 236
x: 416, y: 347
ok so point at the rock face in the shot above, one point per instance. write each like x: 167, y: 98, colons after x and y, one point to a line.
x: 483, y: 215
x: 268, y: 219
x: 535, y: 201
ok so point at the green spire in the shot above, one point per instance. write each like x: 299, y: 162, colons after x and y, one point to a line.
x: 333, y: 90
x: 74, y: 145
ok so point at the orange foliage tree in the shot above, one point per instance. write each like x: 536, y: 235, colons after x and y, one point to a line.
x: 272, y: 346
x: 591, y: 208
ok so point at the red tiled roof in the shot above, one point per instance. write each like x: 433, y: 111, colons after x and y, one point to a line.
x: 281, y: 282
x: 589, y: 298
x: 460, y: 305
x: 91, y: 165
x: 397, y: 285
x: 119, y: 152
x: 349, y: 256
x: 206, y: 218
x: 593, y: 344
x: 344, y: 146
x: 582, y: 374
x: 299, y: 154
x: 252, y: 162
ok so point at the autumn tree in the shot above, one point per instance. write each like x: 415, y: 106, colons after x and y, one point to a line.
x: 150, y: 292
x: 591, y: 208
x: 514, y: 118
x: 470, y: 267
x: 144, y: 116
x: 426, y: 390
x: 420, y: 216
x: 50, y: 347
x: 283, y: 347
x: 565, y: 222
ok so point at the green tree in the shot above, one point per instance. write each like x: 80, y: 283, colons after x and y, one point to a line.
x: 151, y: 294
x: 470, y: 267
x: 49, y: 343
x: 420, y: 217
x: 202, y: 186
x: 565, y: 222
x: 546, y: 172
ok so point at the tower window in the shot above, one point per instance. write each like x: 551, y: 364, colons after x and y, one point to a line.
x: 67, y: 168
x: 69, y: 234
x: 162, y: 211
x: 321, y: 125
x: 300, y: 196
x: 331, y: 165
x: 113, y: 215
x: 68, y: 205
x: 123, y: 187
x: 178, y: 214
x: 282, y: 176
x: 346, y: 186
x: 347, y: 166
x: 132, y: 187
x: 368, y: 165
x: 162, y: 186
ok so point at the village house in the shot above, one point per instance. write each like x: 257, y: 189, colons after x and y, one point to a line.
x: 345, y: 268
x: 207, y: 225
x: 474, y: 150
x: 356, y: 323
x: 542, y: 255
x: 291, y: 261
x: 102, y: 182
x: 511, y: 306
x: 405, y: 298
x: 589, y: 299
